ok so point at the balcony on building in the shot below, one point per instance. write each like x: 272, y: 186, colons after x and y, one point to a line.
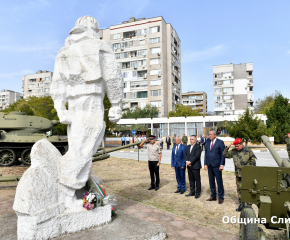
x: 130, y: 34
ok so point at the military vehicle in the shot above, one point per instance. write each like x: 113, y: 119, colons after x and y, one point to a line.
x: 18, y: 133
x: 269, y: 189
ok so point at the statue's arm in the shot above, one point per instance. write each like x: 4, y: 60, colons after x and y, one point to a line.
x: 113, y: 81
x: 58, y: 91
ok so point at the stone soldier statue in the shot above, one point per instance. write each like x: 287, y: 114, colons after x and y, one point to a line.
x: 184, y: 139
x: 242, y: 156
x: 85, y: 69
x: 287, y: 139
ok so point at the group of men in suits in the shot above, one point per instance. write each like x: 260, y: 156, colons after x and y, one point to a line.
x: 189, y: 156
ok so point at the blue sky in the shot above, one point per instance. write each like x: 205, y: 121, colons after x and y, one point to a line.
x: 211, y: 32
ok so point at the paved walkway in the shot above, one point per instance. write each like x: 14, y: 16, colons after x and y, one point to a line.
x: 177, y: 228
x: 263, y: 158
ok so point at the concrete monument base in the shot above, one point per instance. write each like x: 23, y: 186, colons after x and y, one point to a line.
x: 69, y: 221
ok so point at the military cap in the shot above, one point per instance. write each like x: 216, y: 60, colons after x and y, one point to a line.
x: 152, y: 136
x: 237, y: 141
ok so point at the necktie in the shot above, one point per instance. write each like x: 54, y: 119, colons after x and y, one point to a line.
x: 211, y: 145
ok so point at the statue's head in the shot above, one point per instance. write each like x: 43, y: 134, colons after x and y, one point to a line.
x: 86, y: 28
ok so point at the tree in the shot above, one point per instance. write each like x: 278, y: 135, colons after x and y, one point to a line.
x: 262, y: 104
x: 248, y: 127
x: 147, y: 112
x: 278, y: 117
x: 107, y: 106
x: 184, y: 111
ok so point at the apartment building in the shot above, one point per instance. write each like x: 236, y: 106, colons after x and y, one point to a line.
x: 233, y: 88
x: 8, y: 97
x: 149, y: 54
x: 37, y: 84
x: 196, y: 100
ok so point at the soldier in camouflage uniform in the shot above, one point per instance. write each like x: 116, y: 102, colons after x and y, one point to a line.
x: 287, y: 139
x: 184, y: 140
x: 242, y: 156
x: 173, y: 140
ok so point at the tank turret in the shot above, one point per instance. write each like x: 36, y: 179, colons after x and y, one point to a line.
x: 18, y: 133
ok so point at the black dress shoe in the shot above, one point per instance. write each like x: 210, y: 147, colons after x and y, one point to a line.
x: 178, y: 191
x: 157, y: 188
x: 181, y: 192
x: 190, y: 194
x: 151, y: 188
x: 197, y: 196
x: 221, y: 201
x: 211, y: 199
x: 240, y: 207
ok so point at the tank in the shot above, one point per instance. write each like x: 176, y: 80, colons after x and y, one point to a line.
x: 100, y: 155
x: 269, y: 189
x: 18, y: 133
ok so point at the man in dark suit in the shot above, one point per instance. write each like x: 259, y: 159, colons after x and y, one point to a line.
x: 168, y: 142
x: 214, y: 162
x: 178, y: 163
x: 192, y: 158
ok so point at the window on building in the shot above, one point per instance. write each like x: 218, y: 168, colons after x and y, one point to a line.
x: 228, y: 104
x: 46, y: 84
x: 218, y: 89
x: 154, y: 61
x: 155, y: 40
x: 125, y: 54
x: 155, y: 93
x: 142, y: 52
x: 138, y: 84
x: 126, y: 95
x: 142, y: 63
x: 155, y: 103
x: 217, y: 75
x: 154, y: 50
x: 218, y: 105
x: 133, y: 64
x: 154, y: 29
x: 142, y: 42
x: 228, y: 82
x: 143, y: 31
x: 134, y: 74
x: 47, y: 89
x: 125, y: 74
x: 143, y: 94
x: 125, y: 85
x: 227, y: 89
x: 117, y: 55
x: 47, y: 78
x: 133, y: 94
x: 116, y: 45
x: 155, y: 82
x: 116, y: 36
x: 155, y: 72
x: 228, y: 97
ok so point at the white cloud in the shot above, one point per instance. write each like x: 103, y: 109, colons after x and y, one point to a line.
x: 201, y: 55
x: 7, y: 76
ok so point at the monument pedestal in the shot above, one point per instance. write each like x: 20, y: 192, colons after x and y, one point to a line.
x: 70, y: 221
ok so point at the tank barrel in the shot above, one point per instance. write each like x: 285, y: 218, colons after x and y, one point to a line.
x: 118, y: 148
x: 267, y: 143
x: 10, y: 178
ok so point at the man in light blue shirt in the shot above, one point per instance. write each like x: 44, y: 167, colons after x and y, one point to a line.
x: 123, y: 140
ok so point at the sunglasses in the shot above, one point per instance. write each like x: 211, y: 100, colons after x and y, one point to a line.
x: 151, y: 138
